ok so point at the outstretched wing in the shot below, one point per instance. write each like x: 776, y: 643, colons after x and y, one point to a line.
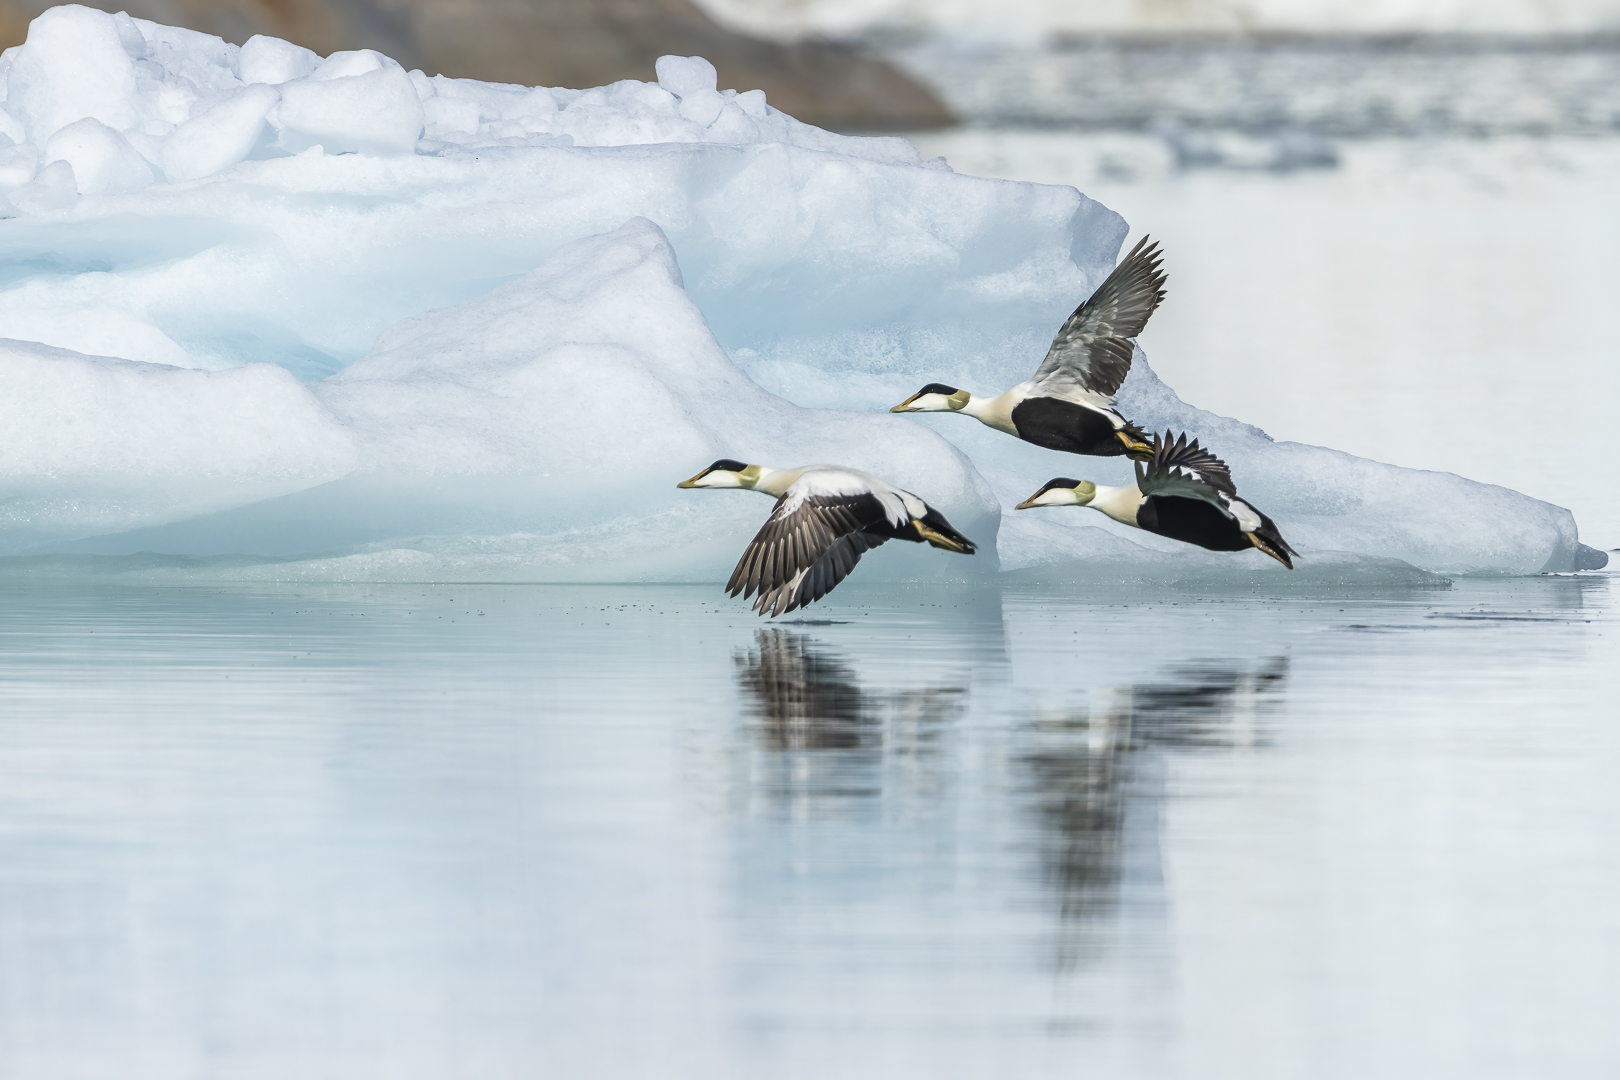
x: 1180, y: 468
x: 1091, y: 353
x: 805, y: 548
x: 1189, y: 459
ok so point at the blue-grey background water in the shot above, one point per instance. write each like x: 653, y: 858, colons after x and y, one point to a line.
x: 499, y: 831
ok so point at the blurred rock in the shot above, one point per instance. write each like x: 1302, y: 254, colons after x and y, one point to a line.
x: 575, y: 43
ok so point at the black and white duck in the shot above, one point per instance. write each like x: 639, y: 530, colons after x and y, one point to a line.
x: 1069, y: 403
x: 1184, y: 493
x: 826, y: 518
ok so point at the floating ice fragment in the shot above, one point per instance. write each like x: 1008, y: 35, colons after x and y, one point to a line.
x: 51, y: 189
x: 341, y: 65
x: 17, y: 165
x: 271, y: 60
x: 73, y: 65
x: 702, y: 106
x: 376, y: 112
x: 683, y: 75
x: 752, y: 103
x: 219, y: 136
x: 102, y: 160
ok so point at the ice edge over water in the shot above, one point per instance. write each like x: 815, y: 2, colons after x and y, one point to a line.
x: 508, y: 367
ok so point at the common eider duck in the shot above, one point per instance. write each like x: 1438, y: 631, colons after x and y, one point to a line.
x: 1069, y: 403
x: 826, y: 518
x: 1184, y: 493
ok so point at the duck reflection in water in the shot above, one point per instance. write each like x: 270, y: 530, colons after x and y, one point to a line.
x: 805, y: 699
x: 1095, y: 780
x: 835, y: 735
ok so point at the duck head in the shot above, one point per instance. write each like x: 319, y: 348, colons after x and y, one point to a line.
x: 935, y: 397
x: 1061, y: 492
x: 725, y: 473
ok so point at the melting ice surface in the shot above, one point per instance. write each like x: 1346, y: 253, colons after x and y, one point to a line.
x: 337, y: 320
x: 418, y: 831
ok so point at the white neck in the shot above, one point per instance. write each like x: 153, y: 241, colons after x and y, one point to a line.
x: 996, y: 411
x: 1119, y: 503
x: 775, y: 481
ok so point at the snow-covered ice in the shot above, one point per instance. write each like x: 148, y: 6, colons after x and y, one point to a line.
x: 371, y: 324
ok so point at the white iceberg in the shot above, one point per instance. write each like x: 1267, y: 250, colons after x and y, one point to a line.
x: 361, y: 323
x: 535, y: 431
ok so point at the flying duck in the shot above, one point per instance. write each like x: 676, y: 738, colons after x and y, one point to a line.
x: 1184, y: 493
x: 826, y: 518
x: 1069, y: 403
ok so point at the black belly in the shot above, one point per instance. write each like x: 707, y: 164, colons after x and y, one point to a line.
x: 1192, y: 521
x: 1063, y: 425
x: 886, y: 531
x: 933, y: 519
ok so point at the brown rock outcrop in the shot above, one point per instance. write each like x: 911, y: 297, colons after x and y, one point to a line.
x: 573, y: 43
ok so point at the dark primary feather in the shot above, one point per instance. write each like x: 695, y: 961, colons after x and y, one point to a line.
x: 1186, y: 457
x: 823, y: 537
x: 1181, y: 470
x: 1092, y: 350
x: 821, y: 578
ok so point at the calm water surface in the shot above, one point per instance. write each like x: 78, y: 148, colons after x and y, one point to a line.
x: 523, y: 831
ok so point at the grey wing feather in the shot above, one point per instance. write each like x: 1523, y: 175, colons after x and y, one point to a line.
x: 821, y: 578
x: 797, y: 558
x: 1182, y: 469
x: 1092, y: 349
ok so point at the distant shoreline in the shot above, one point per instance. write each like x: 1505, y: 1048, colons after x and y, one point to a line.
x: 1331, y: 85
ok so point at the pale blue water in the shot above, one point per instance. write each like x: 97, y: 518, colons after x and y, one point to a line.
x: 616, y: 831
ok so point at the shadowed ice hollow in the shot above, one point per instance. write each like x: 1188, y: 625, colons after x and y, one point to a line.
x: 360, y: 323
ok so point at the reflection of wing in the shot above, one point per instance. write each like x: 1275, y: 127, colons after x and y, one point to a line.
x: 1181, y: 469
x: 1092, y: 351
x: 807, y: 698
x: 801, y: 553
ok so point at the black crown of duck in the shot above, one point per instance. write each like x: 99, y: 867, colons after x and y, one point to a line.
x: 1182, y: 492
x: 1069, y: 403
x: 826, y: 517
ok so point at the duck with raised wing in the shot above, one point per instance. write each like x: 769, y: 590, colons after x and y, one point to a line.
x: 826, y: 518
x: 1184, y: 493
x: 1069, y: 403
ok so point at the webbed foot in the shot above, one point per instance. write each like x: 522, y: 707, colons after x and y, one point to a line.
x: 1135, y: 448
